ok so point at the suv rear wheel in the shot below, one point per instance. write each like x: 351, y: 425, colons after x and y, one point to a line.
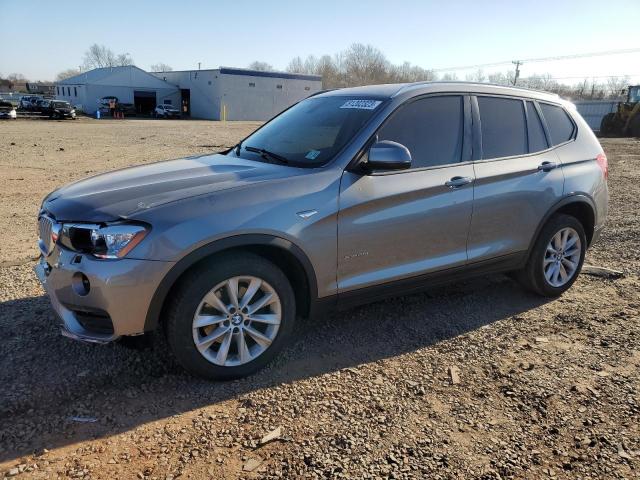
x: 556, y: 258
x: 230, y: 317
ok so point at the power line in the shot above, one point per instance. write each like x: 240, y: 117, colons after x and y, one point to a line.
x: 581, y: 77
x: 543, y: 59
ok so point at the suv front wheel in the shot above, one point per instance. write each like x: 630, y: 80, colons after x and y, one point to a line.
x: 556, y: 258
x: 230, y: 316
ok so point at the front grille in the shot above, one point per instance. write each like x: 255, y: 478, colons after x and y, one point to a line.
x: 45, y: 226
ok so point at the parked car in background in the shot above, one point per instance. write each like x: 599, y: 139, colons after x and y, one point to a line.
x: 59, y: 109
x: 41, y: 104
x: 166, y: 111
x: 28, y: 102
x: 7, y: 110
x: 345, y: 198
x: 13, y: 98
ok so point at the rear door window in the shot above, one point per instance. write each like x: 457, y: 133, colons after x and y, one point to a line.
x: 537, y: 139
x: 504, y: 131
x: 431, y: 128
x: 559, y: 124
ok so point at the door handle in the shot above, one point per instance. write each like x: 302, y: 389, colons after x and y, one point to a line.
x: 457, y: 182
x: 547, y: 166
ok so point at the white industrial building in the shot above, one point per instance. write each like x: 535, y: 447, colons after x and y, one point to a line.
x: 220, y: 94
x: 129, y: 84
x: 239, y: 94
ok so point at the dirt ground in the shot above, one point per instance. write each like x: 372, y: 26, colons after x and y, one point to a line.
x: 546, y: 389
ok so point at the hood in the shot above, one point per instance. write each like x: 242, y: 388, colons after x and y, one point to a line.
x: 122, y: 193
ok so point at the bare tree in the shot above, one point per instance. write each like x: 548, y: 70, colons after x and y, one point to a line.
x: 616, y: 85
x: 261, y: 66
x: 365, y: 65
x: 123, y: 60
x: 477, y: 76
x: 99, y: 56
x: 68, y: 73
x: 16, y: 78
x: 160, y: 67
x: 296, y: 65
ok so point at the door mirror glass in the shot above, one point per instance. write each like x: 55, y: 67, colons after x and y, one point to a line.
x: 388, y: 155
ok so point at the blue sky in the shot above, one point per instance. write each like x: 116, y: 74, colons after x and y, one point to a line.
x: 41, y: 38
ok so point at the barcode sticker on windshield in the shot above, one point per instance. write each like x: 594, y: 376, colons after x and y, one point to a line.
x: 361, y: 104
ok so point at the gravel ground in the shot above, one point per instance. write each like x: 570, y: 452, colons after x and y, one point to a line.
x: 473, y: 380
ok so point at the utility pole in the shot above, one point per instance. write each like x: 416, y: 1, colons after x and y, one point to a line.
x: 517, y: 63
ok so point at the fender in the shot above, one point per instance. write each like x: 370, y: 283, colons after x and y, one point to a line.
x: 157, y: 302
x: 575, y: 198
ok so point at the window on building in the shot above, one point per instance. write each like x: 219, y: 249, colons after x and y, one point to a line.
x: 251, y: 84
x: 431, y: 128
x: 58, y: 90
x: 75, y: 91
x: 504, y: 132
x: 537, y: 139
x: 558, y: 122
x: 279, y: 87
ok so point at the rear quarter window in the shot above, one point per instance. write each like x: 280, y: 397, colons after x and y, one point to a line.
x: 560, y: 126
x: 537, y: 138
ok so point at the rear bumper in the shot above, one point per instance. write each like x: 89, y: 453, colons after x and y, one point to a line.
x: 114, y: 304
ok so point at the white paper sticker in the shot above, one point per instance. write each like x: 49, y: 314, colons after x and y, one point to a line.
x: 312, y: 154
x: 361, y: 104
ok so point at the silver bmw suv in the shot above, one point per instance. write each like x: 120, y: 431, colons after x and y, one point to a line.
x: 346, y: 197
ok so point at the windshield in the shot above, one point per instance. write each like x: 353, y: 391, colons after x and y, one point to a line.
x: 312, y: 132
x: 59, y: 104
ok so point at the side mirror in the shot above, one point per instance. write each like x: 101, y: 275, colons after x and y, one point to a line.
x: 388, y: 155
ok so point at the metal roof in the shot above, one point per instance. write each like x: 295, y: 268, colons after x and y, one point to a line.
x: 115, y: 75
x: 271, y: 74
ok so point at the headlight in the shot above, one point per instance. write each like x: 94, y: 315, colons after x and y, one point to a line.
x: 110, y: 241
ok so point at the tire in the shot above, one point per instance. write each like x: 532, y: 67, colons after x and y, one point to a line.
x: 607, y: 124
x: 634, y: 126
x: 534, y: 276
x: 205, y: 282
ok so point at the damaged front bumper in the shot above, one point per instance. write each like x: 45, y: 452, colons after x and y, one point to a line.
x: 97, y: 300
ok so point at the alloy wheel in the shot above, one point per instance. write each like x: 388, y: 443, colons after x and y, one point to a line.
x: 562, y: 257
x: 236, y: 321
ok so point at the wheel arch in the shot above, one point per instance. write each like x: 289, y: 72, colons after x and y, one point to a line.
x: 290, y: 258
x: 579, y: 206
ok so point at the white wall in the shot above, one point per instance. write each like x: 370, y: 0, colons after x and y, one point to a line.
x: 264, y: 100
x: 89, y: 95
x: 74, y: 94
x: 210, y: 90
x: 203, y: 102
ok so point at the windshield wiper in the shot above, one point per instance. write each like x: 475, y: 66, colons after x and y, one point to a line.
x: 267, y: 154
x: 237, y: 149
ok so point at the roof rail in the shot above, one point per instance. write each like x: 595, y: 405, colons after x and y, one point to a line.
x: 408, y: 86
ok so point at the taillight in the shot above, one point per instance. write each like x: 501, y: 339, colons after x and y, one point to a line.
x: 603, y: 164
